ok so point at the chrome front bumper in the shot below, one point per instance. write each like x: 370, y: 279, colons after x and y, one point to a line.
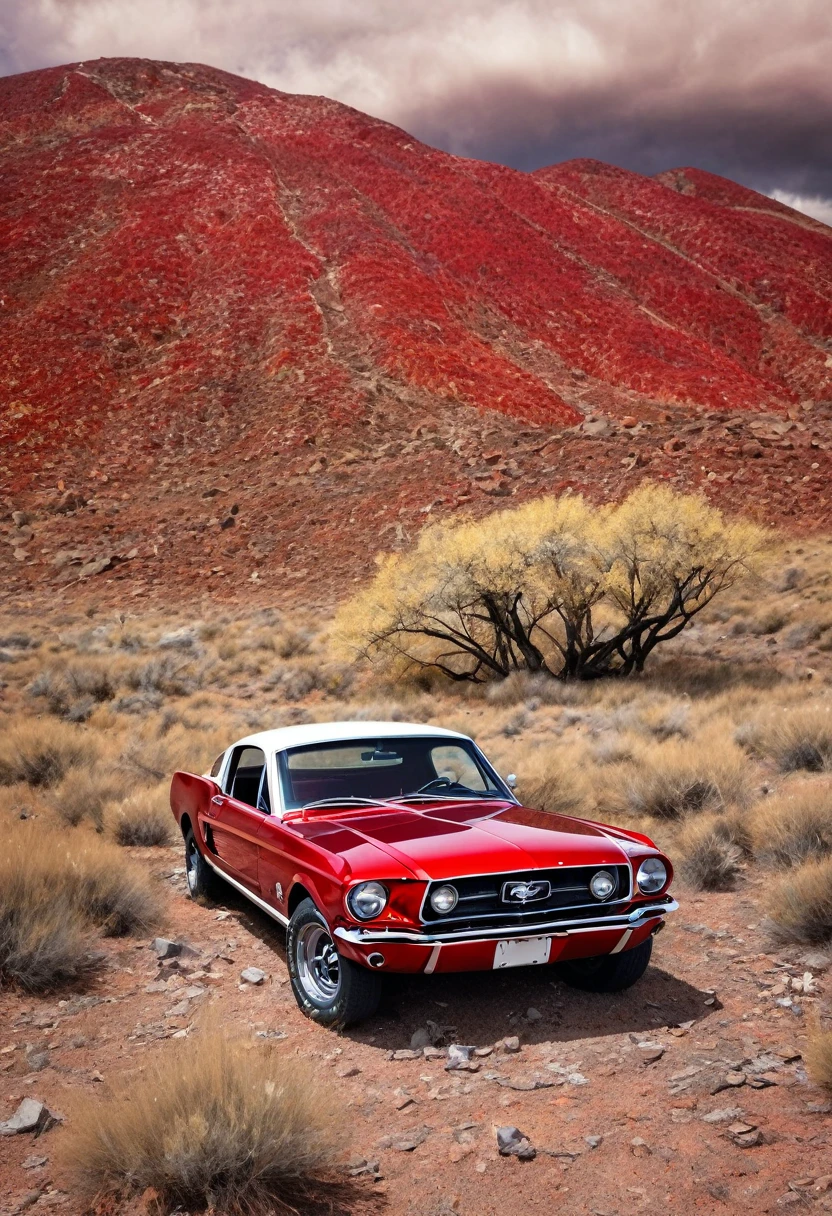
x: 633, y: 920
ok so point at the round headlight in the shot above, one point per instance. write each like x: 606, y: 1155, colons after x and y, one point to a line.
x: 444, y: 899
x: 652, y: 875
x: 602, y: 884
x: 367, y: 900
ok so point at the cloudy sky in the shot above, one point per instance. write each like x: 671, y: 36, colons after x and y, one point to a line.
x: 740, y: 87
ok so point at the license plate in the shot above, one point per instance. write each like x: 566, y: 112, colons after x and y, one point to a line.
x: 523, y: 953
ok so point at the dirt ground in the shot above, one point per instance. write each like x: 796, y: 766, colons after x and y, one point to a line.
x: 685, y: 1094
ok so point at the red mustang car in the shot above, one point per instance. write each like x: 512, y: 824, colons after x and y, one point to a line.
x: 385, y: 847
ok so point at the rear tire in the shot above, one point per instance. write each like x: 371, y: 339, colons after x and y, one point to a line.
x: 202, y: 881
x: 607, y: 972
x: 329, y: 989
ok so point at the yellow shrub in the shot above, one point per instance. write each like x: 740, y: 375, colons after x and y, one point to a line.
x: 212, y: 1123
x: 794, y: 826
x: 800, y: 904
x: 40, y: 751
x: 55, y: 889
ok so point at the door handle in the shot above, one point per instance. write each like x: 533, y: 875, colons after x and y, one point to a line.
x: 216, y: 803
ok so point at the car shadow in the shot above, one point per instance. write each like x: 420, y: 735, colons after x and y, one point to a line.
x: 481, y: 1007
x: 531, y: 1002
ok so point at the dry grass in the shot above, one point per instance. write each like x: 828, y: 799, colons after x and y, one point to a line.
x: 85, y: 794
x: 54, y: 892
x: 818, y: 1056
x: 144, y: 819
x: 800, y: 738
x: 157, y: 750
x: 554, y: 779
x: 41, y: 752
x: 800, y: 904
x: 74, y: 690
x: 211, y: 1124
x: 678, y: 778
x: 712, y: 849
x: 793, y: 827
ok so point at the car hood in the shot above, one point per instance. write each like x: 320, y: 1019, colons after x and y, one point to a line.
x: 457, y: 839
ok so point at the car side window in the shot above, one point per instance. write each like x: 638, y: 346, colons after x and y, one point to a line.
x: 217, y: 765
x: 246, y: 777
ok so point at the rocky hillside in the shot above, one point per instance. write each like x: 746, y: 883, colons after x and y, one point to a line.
x: 254, y: 337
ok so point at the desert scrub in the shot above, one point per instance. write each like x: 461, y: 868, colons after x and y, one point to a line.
x: 793, y: 827
x: 144, y: 819
x: 712, y: 848
x: 212, y: 1123
x: 818, y: 1056
x: 73, y: 691
x: 800, y: 904
x: 675, y: 779
x: 554, y: 779
x: 55, y: 893
x: 85, y: 794
x: 795, y: 739
x: 40, y: 751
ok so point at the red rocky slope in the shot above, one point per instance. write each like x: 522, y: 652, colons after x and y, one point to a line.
x: 217, y: 293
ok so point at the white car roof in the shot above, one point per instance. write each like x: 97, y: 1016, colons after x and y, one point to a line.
x: 333, y: 732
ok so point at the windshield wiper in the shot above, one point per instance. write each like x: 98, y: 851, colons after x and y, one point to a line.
x: 463, y: 793
x: 307, y: 806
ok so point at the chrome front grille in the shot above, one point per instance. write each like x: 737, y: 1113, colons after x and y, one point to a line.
x: 485, y: 901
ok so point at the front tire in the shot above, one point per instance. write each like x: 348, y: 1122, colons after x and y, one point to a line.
x: 329, y: 989
x: 202, y: 881
x: 607, y: 972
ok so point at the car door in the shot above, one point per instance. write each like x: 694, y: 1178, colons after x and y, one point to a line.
x: 237, y: 814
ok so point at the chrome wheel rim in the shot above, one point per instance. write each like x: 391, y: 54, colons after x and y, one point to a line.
x: 191, y: 858
x: 318, y: 964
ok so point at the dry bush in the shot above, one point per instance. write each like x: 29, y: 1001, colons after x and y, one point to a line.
x: 212, y: 1123
x: 799, y: 738
x: 793, y: 827
x: 818, y: 1056
x: 527, y: 688
x: 54, y: 891
x: 41, y: 751
x: 169, y: 675
x: 770, y: 620
x: 612, y: 748
x: 703, y: 677
x: 86, y: 795
x: 293, y: 643
x: 151, y: 758
x: 712, y: 848
x: 675, y: 779
x: 144, y: 819
x: 309, y: 675
x: 74, y: 690
x: 800, y: 904
x: 554, y: 779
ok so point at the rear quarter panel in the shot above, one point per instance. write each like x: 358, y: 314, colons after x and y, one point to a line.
x: 191, y: 796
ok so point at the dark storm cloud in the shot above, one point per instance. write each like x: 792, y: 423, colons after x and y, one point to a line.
x: 742, y: 88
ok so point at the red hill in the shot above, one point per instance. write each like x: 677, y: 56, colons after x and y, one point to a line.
x: 215, y: 293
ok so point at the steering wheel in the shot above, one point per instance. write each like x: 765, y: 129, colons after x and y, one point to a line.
x: 438, y: 783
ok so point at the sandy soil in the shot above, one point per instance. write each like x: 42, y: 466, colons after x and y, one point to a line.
x: 625, y: 1117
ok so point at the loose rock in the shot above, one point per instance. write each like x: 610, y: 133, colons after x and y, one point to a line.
x: 511, y: 1142
x: 460, y: 1059
x: 30, y: 1116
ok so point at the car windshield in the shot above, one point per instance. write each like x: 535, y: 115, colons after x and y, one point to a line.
x: 378, y: 769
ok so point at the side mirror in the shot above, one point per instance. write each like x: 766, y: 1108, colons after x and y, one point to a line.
x: 511, y: 781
